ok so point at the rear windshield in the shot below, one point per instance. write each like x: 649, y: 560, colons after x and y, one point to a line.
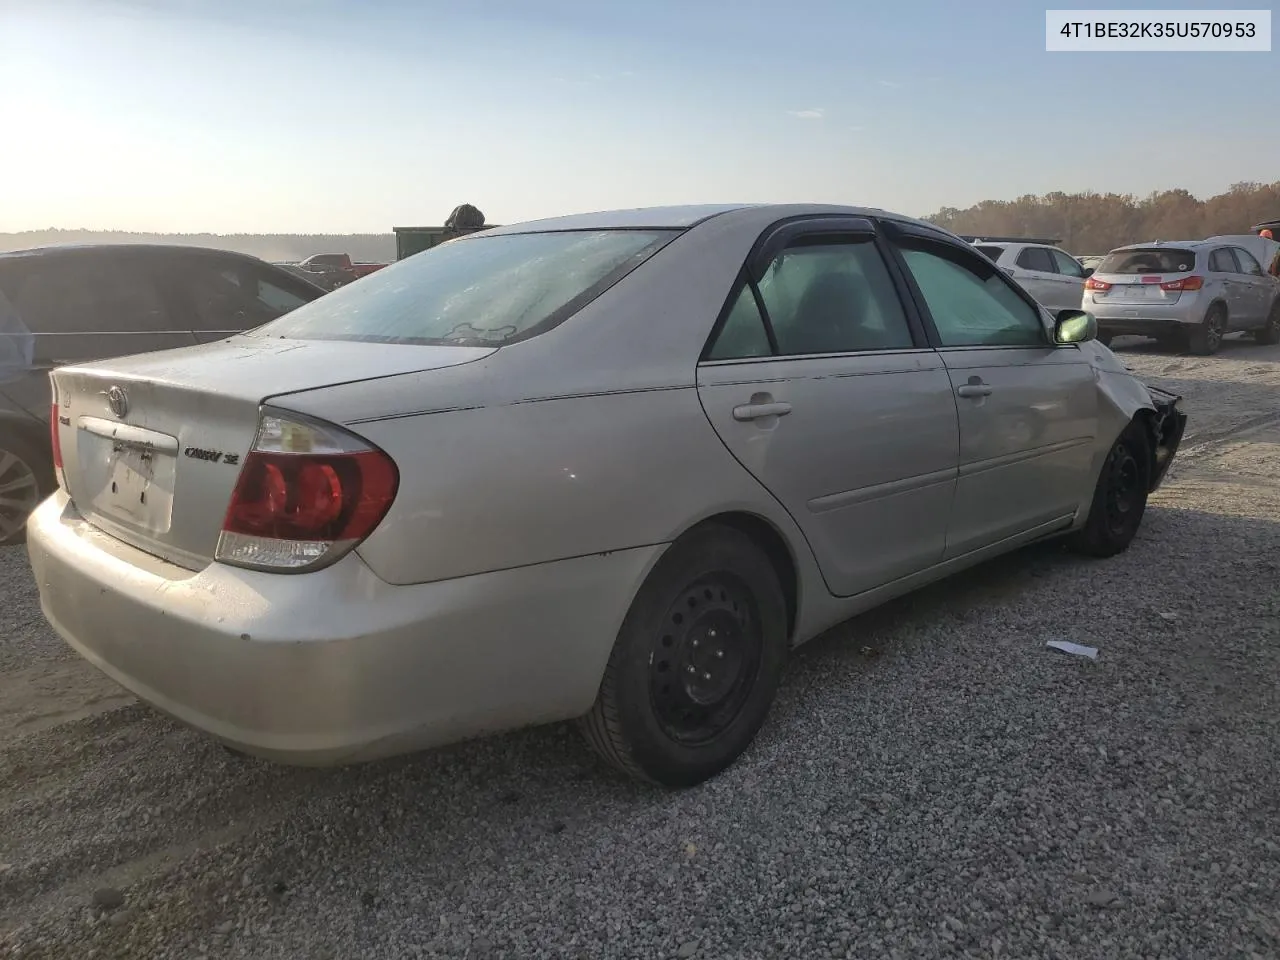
x: 485, y: 290
x: 991, y: 252
x: 1157, y: 260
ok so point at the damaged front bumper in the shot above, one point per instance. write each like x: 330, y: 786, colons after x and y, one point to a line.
x: 1167, y: 427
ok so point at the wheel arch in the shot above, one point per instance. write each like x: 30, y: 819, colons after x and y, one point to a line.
x: 775, y: 547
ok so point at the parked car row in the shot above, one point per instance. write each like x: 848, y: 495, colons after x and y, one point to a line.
x: 610, y: 467
x: 331, y: 270
x: 1185, y: 295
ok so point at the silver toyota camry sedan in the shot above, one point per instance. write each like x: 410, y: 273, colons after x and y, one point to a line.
x: 610, y: 467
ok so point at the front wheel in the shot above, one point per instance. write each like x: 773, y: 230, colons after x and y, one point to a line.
x: 1119, y: 499
x: 696, y: 663
x: 1270, y: 334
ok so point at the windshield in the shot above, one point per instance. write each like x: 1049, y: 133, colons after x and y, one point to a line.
x: 1156, y: 260
x: 485, y: 291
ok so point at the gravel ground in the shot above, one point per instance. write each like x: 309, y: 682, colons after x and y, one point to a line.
x: 933, y: 780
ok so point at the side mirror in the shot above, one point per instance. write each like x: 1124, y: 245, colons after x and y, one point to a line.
x: 1088, y: 272
x: 1075, y: 326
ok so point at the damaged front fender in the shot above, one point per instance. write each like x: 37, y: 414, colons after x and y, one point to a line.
x: 1167, y: 424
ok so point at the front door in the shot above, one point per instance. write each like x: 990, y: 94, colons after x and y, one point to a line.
x: 822, y: 388
x: 1027, y: 408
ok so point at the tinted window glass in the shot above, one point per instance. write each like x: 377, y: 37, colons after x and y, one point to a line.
x: 1162, y: 260
x: 992, y: 252
x: 482, y: 290
x: 1067, y: 265
x: 833, y: 298
x: 1036, y: 258
x: 970, y: 301
x: 1248, y: 263
x: 88, y: 295
x: 232, y: 296
x: 743, y: 333
x: 1220, y: 261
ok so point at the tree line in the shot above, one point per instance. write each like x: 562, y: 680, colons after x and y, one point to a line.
x: 375, y: 247
x: 1093, y: 223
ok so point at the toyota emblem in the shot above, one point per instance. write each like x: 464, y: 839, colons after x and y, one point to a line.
x: 118, y: 401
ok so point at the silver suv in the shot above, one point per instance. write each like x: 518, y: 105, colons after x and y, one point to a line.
x: 1054, y: 277
x: 1184, y: 294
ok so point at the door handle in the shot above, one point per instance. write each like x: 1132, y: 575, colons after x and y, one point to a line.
x: 757, y: 411
x: 974, y: 390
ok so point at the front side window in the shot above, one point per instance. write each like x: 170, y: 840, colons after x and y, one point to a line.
x: 1067, y: 265
x: 1248, y: 263
x: 970, y: 301
x: 485, y: 290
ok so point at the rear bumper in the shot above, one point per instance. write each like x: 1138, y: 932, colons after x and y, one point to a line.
x: 1143, y: 326
x: 334, y: 666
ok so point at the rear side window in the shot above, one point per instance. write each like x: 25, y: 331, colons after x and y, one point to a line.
x: 1036, y: 258
x: 88, y: 295
x: 1221, y: 261
x: 1155, y: 260
x: 486, y: 290
x: 833, y: 298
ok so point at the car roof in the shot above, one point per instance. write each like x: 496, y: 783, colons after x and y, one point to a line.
x: 139, y: 249
x: 684, y: 217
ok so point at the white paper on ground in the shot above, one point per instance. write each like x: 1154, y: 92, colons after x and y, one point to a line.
x: 1066, y: 646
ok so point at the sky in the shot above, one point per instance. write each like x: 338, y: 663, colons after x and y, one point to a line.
x: 361, y: 115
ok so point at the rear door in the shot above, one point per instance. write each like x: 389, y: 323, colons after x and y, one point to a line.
x: 820, y: 382
x: 1225, y: 271
x: 1070, y: 295
x: 1037, y: 275
x: 88, y: 306
x: 1027, y: 408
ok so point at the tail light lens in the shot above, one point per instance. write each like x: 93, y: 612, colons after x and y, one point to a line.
x: 1093, y: 283
x: 308, y: 493
x: 1186, y: 283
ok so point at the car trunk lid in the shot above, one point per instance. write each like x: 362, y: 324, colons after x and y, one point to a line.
x: 152, y: 444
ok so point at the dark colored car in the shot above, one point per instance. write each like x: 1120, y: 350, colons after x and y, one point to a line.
x: 69, y: 304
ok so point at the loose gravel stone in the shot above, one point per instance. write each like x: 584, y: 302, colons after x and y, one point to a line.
x: 965, y: 792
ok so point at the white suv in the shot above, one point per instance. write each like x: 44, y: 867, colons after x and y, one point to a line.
x: 1052, y: 276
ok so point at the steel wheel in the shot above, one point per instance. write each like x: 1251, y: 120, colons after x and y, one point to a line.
x: 1215, y: 329
x: 19, y: 494
x: 705, y: 660
x: 1124, y: 489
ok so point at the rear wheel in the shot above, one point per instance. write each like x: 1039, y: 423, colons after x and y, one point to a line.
x: 26, y: 478
x: 696, y: 663
x: 1206, y: 339
x: 1119, y: 499
x: 1270, y: 334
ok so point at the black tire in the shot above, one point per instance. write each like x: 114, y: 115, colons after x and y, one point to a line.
x: 1270, y: 334
x: 1206, y: 338
x: 1120, y: 497
x: 1171, y: 342
x: 712, y: 585
x: 26, y: 478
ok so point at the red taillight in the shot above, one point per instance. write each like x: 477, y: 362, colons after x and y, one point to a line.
x: 1186, y: 284
x: 305, y: 500
x: 55, y: 438
x: 1093, y: 283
